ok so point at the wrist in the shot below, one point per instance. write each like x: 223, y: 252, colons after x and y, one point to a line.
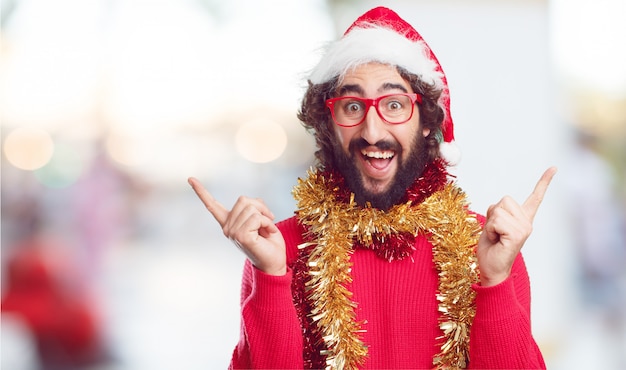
x: 280, y: 271
x: 488, y: 281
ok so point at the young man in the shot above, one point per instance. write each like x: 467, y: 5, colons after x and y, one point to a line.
x: 383, y: 265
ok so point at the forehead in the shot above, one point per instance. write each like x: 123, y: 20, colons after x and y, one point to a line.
x: 374, y: 77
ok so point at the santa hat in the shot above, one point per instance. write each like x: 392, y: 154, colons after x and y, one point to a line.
x: 380, y: 35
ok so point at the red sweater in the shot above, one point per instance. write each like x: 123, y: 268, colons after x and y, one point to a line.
x: 397, y: 299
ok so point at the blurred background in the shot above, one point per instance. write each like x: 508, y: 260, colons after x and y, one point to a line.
x: 109, y: 261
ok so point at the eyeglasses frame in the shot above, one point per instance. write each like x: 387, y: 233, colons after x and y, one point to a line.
x: 415, y: 97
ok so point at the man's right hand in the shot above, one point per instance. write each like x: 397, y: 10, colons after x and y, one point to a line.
x: 250, y: 226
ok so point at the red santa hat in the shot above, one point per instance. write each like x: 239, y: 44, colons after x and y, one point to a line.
x: 380, y: 35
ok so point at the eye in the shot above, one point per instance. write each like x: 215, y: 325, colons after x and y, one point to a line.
x: 393, y: 105
x: 352, y: 107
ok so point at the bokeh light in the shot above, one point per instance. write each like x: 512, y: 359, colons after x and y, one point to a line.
x: 261, y: 140
x: 28, y: 148
x: 129, y: 150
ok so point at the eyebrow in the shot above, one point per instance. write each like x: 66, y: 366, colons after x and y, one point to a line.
x: 391, y: 86
x: 345, y: 89
x: 353, y: 88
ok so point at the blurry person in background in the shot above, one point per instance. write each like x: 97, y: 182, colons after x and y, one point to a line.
x: 383, y: 264
x: 598, y: 222
x: 52, y: 274
x: 43, y: 290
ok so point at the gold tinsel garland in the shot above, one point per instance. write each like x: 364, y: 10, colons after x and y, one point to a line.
x: 334, y: 226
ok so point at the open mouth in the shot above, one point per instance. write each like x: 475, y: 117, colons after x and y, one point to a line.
x: 379, y: 159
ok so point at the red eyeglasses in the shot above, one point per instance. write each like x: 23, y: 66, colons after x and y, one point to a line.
x: 350, y: 111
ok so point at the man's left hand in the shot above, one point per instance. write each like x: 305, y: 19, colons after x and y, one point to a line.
x: 507, y: 226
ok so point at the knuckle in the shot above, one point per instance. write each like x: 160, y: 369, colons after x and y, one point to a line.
x: 507, y: 200
x: 243, y: 199
x: 496, y: 212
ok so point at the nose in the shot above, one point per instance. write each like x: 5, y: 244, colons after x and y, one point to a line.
x: 373, y: 127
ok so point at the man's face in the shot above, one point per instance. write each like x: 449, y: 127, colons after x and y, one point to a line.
x: 379, y: 160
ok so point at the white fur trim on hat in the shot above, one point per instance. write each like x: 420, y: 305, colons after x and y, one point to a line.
x: 450, y: 152
x: 376, y: 44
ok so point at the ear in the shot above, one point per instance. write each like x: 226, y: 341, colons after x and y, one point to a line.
x: 426, y: 132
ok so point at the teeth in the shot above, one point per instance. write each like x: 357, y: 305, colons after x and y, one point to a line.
x: 378, y: 155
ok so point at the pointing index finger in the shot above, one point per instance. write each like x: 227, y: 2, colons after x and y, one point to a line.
x: 532, y: 203
x: 217, y: 210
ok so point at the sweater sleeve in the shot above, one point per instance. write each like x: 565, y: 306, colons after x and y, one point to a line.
x: 501, y: 336
x: 270, y: 336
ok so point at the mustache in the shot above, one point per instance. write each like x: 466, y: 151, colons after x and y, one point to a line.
x: 357, y: 144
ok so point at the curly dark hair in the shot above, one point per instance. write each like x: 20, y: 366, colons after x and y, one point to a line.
x: 317, y: 120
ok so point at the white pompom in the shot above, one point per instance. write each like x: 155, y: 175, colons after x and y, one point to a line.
x: 450, y: 152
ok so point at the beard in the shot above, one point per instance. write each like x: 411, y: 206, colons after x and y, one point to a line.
x: 409, y: 170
